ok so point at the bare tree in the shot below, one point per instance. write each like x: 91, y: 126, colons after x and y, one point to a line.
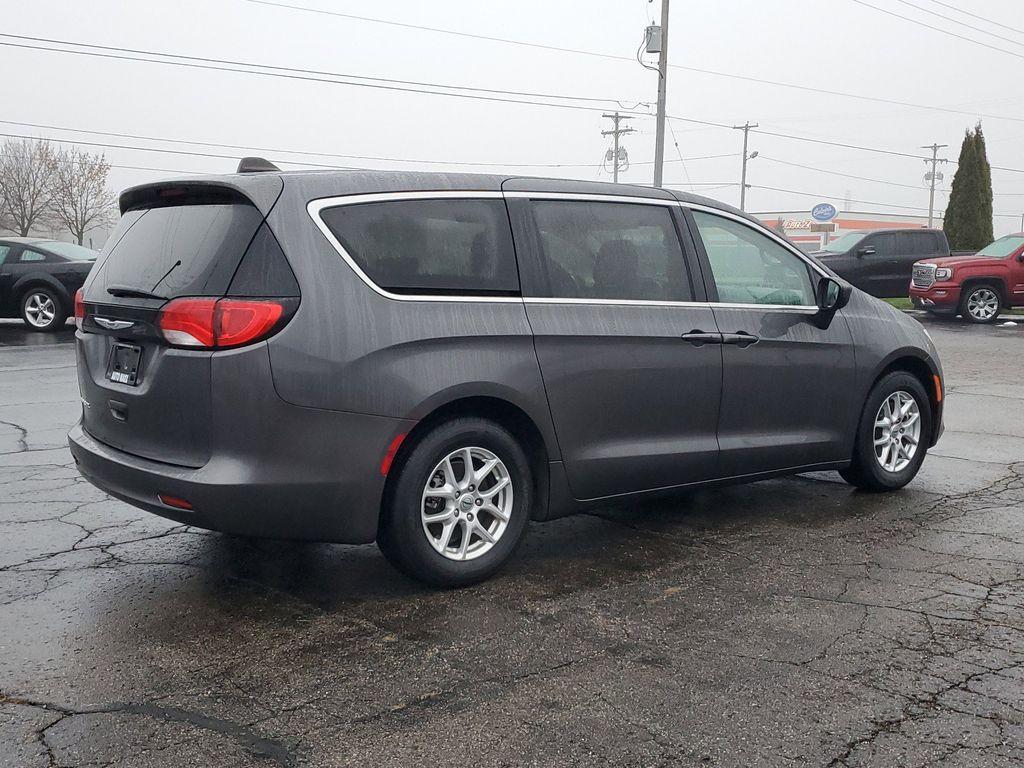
x: 79, y: 196
x: 26, y: 171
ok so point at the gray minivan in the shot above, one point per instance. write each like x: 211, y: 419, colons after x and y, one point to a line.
x: 432, y: 360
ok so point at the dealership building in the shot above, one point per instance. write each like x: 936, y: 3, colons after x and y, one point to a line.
x: 813, y: 228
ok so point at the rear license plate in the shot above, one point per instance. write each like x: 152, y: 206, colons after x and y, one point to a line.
x: 125, y: 360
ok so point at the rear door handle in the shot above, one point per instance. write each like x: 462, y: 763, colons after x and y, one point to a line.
x: 742, y: 339
x: 700, y: 338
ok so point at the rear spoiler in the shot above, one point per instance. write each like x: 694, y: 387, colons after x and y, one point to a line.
x: 258, y: 189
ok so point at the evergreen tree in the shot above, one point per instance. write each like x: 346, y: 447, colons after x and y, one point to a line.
x: 968, y: 220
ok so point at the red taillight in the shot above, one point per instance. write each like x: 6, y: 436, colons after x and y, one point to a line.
x: 189, y: 322
x: 238, y: 321
x: 79, y: 308
x: 217, y: 323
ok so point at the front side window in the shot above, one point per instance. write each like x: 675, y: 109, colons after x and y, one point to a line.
x: 29, y: 255
x: 606, y: 250
x: 442, y: 246
x: 749, y: 267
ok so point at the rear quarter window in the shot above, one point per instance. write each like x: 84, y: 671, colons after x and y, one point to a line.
x: 439, y: 246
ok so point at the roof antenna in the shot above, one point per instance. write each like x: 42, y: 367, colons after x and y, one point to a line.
x: 255, y: 165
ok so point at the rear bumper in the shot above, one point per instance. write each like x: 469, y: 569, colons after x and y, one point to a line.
x: 941, y: 297
x: 275, y: 470
x: 228, y: 496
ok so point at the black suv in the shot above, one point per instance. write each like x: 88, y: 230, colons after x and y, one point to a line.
x: 880, y: 262
x: 433, y: 360
x: 38, y: 279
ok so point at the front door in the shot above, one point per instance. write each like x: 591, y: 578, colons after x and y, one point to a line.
x: 787, y: 382
x: 610, y: 297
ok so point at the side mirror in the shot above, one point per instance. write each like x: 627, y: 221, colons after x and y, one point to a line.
x: 1020, y: 258
x: 867, y: 250
x: 832, y: 295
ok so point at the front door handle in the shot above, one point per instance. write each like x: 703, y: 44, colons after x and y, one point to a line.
x: 700, y: 338
x: 742, y: 339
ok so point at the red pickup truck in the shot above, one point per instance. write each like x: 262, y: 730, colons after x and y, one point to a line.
x: 977, y: 287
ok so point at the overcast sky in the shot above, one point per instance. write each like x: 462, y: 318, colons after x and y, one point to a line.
x: 836, y: 45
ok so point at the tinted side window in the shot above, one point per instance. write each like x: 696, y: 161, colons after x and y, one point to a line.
x: 599, y: 250
x: 4, y: 250
x: 430, y: 246
x: 918, y: 243
x: 30, y: 255
x: 749, y: 267
x: 884, y: 244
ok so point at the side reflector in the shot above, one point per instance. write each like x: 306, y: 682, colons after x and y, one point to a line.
x: 938, y: 389
x: 385, y: 465
x: 174, y: 501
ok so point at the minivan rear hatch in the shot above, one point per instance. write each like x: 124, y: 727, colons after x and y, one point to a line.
x: 140, y: 394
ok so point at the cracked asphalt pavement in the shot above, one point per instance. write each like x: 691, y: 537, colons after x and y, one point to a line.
x: 791, y: 622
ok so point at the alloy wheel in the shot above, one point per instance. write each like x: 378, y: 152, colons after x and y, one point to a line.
x: 983, y: 304
x: 897, y: 431
x: 40, y: 310
x: 466, y: 503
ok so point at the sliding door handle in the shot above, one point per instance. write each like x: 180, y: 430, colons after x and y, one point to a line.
x: 741, y: 339
x: 699, y: 338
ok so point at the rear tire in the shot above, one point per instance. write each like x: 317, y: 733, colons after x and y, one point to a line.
x: 42, y: 310
x: 883, y: 438
x: 449, y: 528
x: 981, y: 303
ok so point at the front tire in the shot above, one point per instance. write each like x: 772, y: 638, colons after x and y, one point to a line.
x: 892, y: 436
x: 981, y: 303
x: 459, y: 504
x: 42, y: 310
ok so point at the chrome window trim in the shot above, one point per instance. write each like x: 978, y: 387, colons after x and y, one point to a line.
x: 315, y: 207
x: 586, y: 197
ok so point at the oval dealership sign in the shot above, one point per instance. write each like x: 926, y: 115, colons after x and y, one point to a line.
x: 824, y: 212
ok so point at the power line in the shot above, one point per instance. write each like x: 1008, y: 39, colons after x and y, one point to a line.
x: 976, y: 16
x: 171, y: 151
x: 962, y: 23
x: 293, y: 73
x: 938, y: 29
x: 839, y: 144
x: 249, y: 148
x: 615, y: 57
x: 837, y: 173
x: 819, y: 195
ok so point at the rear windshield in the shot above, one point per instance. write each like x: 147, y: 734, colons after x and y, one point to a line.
x: 181, y: 250
x: 430, y: 246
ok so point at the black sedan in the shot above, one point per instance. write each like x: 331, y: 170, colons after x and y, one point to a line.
x: 38, y: 279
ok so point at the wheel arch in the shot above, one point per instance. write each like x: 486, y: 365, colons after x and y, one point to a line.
x: 996, y: 281
x: 41, y: 280
x: 924, y: 369
x: 500, y: 410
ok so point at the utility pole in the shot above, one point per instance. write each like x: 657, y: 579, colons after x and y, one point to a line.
x: 615, y: 132
x: 932, y: 178
x: 659, y: 139
x: 743, y: 175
